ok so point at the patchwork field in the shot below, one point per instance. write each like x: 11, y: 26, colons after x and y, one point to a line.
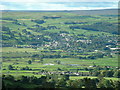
x: 60, y: 49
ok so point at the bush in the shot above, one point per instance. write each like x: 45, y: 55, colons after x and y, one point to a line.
x: 38, y: 21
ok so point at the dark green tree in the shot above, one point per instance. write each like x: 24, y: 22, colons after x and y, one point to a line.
x: 10, y: 67
x: 29, y: 62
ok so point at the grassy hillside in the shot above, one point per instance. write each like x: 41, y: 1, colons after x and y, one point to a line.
x: 41, y: 42
x: 27, y: 28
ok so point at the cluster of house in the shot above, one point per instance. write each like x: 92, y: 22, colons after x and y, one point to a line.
x: 63, y: 73
x: 84, y: 41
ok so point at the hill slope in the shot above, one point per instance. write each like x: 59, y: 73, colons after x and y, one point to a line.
x: 66, y: 30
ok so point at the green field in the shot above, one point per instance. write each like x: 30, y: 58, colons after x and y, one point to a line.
x: 59, y: 49
x: 36, y: 66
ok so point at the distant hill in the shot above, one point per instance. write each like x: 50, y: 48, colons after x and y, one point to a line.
x: 96, y: 12
x: 81, y: 12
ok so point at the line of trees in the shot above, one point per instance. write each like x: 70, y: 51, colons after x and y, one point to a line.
x: 56, y: 81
